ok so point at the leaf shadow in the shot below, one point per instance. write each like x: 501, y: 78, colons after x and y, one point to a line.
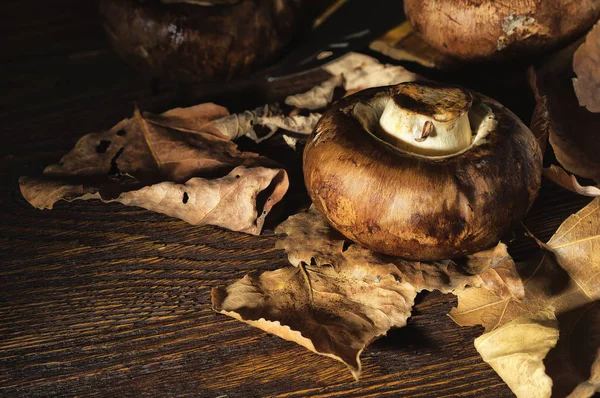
x: 409, y: 337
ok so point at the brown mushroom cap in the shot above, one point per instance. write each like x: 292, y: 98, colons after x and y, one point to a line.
x: 187, y: 41
x: 416, y: 206
x: 487, y: 29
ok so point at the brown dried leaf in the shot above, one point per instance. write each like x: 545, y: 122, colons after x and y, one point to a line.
x: 402, y: 43
x: 311, y: 240
x: 340, y: 296
x: 151, y: 160
x: 572, y: 129
x: 567, y: 279
x: 333, y: 313
x: 560, y: 177
x: 353, y: 72
x: 585, y: 66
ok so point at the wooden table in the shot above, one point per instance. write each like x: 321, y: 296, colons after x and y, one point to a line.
x: 106, y: 300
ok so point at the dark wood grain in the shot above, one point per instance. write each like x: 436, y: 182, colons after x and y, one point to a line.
x: 105, y: 300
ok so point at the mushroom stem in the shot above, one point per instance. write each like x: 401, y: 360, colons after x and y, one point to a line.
x: 427, y: 120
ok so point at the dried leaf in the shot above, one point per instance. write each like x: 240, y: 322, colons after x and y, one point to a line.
x: 566, y: 277
x: 317, y: 97
x: 402, y: 43
x: 243, y: 124
x: 516, y: 352
x: 560, y: 177
x: 361, y: 72
x: 333, y: 313
x: 151, y: 160
x: 310, y: 239
x: 572, y: 129
x: 353, y: 72
x: 340, y: 296
x: 585, y: 65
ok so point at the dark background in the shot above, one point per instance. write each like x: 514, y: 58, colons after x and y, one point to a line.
x: 105, y: 300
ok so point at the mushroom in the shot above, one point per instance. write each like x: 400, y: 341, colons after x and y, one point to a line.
x: 422, y: 170
x: 489, y: 29
x: 199, y: 39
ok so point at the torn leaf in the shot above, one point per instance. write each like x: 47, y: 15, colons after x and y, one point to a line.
x: 149, y: 160
x: 516, y: 352
x: 333, y: 313
x: 560, y: 177
x: 361, y: 72
x: 571, y: 128
x: 310, y: 239
x: 402, y: 43
x: 240, y: 201
x: 339, y: 296
x: 317, y: 97
x: 585, y: 66
x: 566, y: 277
x: 269, y: 116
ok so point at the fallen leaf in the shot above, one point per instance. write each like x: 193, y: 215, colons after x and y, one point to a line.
x: 585, y: 66
x: 317, y: 97
x: 151, y: 160
x: 565, y: 277
x: 333, y: 313
x: 516, y: 352
x: 402, y: 43
x: 571, y: 128
x: 560, y: 177
x: 243, y: 124
x: 311, y: 240
x: 353, y: 72
x: 361, y: 72
x: 339, y: 296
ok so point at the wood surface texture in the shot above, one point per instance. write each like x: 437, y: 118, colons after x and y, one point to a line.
x: 106, y: 300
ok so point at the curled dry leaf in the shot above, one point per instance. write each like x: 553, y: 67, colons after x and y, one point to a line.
x: 404, y: 44
x: 163, y: 162
x: 565, y: 277
x: 270, y: 116
x: 353, y: 72
x: 560, y: 177
x: 585, y: 66
x: 339, y: 296
x: 361, y: 72
x: 333, y: 313
x: 571, y: 128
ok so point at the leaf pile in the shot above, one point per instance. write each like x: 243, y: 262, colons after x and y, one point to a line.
x: 338, y: 296
x: 185, y: 163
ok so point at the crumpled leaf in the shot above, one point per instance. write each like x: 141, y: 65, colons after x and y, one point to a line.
x: 333, y: 313
x: 317, y: 97
x: 566, y: 277
x: 560, y: 177
x: 339, y: 296
x: 243, y: 124
x: 353, y: 72
x: 585, y: 66
x: 177, y: 151
x: 571, y: 128
x: 361, y: 72
x: 516, y: 352
x: 404, y: 44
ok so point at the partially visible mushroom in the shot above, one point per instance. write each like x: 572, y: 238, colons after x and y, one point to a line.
x: 421, y: 170
x: 489, y: 29
x: 200, y: 39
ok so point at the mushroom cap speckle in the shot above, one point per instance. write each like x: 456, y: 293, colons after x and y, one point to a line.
x: 491, y: 29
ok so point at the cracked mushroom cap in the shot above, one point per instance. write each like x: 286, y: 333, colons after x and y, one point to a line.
x: 421, y: 170
x: 199, y: 39
x: 493, y: 29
